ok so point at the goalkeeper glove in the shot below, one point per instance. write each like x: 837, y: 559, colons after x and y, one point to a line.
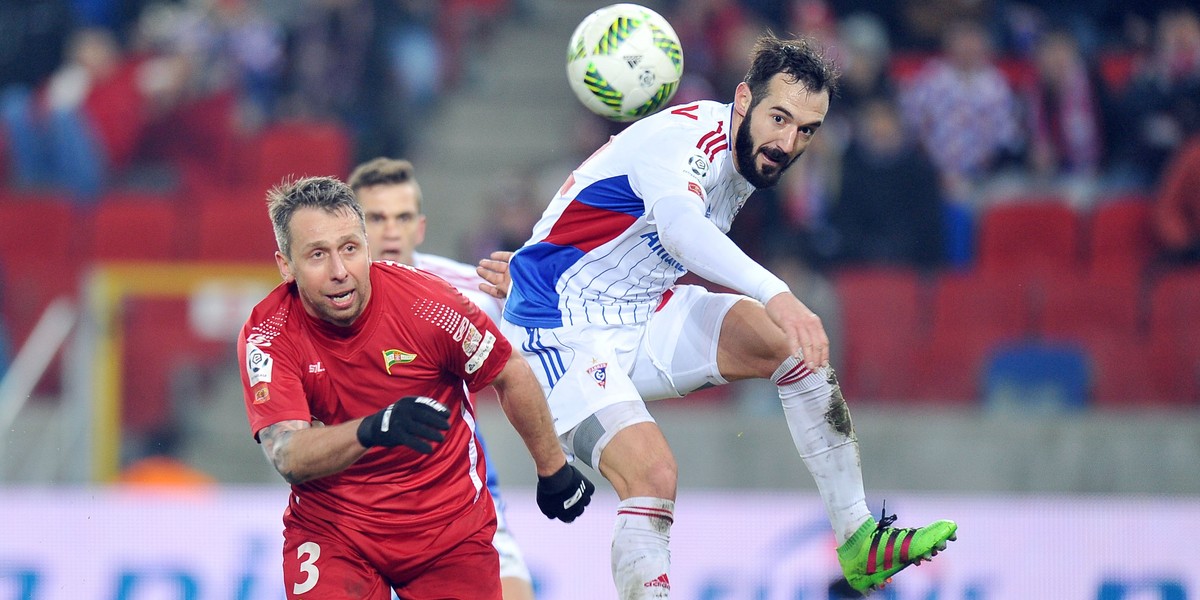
x: 564, y: 494
x: 412, y: 421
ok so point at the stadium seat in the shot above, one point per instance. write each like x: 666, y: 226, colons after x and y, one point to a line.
x: 1085, y: 307
x: 134, y: 226
x: 301, y: 148
x: 1175, y: 333
x: 160, y: 347
x: 1119, y: 238
x: 38, y: 256
x: 38, y: 263
x: 233, y: 226
x: 1031, y: 237
x: 1131, y: 373
x: 1037, y: 376
x: 973, y: 313
x: 881, y: 312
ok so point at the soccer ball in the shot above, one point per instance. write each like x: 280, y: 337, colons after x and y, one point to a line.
x: 624, y: 62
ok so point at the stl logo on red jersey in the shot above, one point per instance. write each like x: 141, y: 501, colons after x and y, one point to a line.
x: 395, y: 357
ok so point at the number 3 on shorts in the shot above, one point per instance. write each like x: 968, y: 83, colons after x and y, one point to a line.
x: 308, y: 567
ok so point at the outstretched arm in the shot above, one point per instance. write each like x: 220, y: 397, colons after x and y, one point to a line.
x: 494, y: 270
x: 562, y: 491
x: 707, y: 251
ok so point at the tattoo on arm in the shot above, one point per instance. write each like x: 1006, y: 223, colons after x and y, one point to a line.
x: 275, y: 440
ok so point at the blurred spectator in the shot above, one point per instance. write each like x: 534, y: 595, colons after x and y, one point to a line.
x: 793, y: 216
x: 1176, y: 214
x: 1161, y: 106
x: 406, y: 74
x: 85, y: 124
x: 32, y: 32
x: 328, y: 59
x: 963, y: 110
x: 965, y: 114
x: 924, y: 23
x: 1063, y: 111
x: 889, y: 207
x: 863, y: 51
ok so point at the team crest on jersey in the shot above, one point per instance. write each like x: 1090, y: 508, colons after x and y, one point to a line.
x: 698, y: 165
x: 471, y: 342
x: 599, y: 373
x: 395, y: 357
x: 485, y: 349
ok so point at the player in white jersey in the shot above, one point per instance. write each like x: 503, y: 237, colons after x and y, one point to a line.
x: 390, y: 196
x: 595, y: 308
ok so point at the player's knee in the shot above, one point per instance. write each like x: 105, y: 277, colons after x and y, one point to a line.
x: 660, y: 478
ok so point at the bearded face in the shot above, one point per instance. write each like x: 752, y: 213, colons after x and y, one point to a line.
x: 776, y: 128
x: 745, y: 154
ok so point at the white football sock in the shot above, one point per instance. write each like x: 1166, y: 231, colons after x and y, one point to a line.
x: 641, y: 558
x: 821, y: 429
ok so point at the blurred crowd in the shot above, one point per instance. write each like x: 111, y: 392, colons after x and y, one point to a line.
x: 947, y: 109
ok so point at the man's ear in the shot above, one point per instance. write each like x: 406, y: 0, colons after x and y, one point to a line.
x: 285, y: 271
x: 742, y: 98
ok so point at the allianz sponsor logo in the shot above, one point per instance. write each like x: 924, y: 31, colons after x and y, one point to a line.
x: 658, y: 250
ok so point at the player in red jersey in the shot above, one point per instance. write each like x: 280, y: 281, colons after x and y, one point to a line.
x: 353, y: 374
x: 391, y: 199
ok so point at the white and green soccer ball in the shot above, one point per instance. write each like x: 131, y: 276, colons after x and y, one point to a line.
x: 624, y: 62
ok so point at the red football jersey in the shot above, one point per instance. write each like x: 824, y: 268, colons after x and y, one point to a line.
x: 417, y: 336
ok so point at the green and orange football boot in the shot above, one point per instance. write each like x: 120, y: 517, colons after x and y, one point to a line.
x: 877, y: 550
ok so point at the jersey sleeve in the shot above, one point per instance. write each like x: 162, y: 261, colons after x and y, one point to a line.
x: 271, y: 386
x: 472, y: 347
x: 676, y: 166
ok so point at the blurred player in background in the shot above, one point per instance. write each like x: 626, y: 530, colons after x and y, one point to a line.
x: 355, y: 376
x: 391, y: 198
x: 594, y: 307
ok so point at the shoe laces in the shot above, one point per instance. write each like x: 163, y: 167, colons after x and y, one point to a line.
x: 885, y: 521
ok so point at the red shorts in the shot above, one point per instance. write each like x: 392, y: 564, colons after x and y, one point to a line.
x: 454, y: 561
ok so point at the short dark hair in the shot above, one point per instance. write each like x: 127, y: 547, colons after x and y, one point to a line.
x: 325, y: 193
x: 382, y: 170
x: 800, y: 59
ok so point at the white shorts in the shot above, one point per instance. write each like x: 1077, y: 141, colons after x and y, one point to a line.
x: 585, y: 368
x: 512, y: 561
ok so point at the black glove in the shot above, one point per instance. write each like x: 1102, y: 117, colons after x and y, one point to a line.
x: 564, y: 494
x: 411, y: 421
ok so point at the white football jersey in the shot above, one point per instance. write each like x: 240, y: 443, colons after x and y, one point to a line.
x: 463, y: 277
x: 595, y: 255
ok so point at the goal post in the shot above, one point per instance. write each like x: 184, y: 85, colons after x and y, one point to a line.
x: 221, y: 293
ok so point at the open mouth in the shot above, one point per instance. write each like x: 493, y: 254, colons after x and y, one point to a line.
x: 342, y: 300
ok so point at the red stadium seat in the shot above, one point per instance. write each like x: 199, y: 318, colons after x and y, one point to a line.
x: 160, y: 346
x: 299, y: 149
x: 1175, y: 333
x: 1119, y: 240
x: 38, y: 263
x: 881, y: 311
x: 38, y: 257
x: 972, y: 314
x: 1085, y: 307
x: 234, y: 227
x: 134, y: 226
x: 1030, y: 238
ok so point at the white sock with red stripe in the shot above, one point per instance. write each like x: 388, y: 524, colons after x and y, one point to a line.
x: 821, y: 430
x: 641, y: 558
